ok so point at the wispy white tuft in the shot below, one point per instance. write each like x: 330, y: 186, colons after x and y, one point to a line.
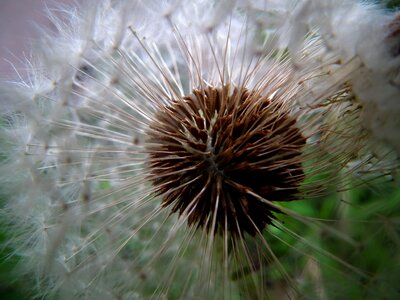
x: 366, y: 38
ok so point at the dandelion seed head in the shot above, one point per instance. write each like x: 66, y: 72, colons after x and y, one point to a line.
x: 209, y: 148
x: 364, y: 39
x: 153, y: 143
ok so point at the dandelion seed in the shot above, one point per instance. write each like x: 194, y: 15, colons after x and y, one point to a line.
x: 156, y: 153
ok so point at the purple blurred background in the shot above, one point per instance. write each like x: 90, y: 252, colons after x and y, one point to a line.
x: 16, y: 29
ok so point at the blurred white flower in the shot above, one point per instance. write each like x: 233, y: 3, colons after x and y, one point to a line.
x: 366, y: 41
x: 149, y: 144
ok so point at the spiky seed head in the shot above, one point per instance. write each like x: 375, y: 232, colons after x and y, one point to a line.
x: 208, y: 149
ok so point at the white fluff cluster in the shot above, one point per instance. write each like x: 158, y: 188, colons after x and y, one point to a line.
x: 366, y: 41
x: 74, y: 172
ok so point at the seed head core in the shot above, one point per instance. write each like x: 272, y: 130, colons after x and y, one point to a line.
x: 207, y: 150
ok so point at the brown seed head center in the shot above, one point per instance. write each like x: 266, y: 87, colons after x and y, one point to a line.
x: 209, y: 149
